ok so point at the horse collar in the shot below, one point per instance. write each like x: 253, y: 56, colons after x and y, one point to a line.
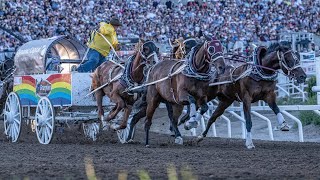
x: 258, y: 73
x: 126, y: 78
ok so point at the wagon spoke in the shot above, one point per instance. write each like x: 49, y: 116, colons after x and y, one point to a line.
x: 43, y: 136
x: 49, y: 125
x: 8, y: 130
x: 13, y: 132
x: 48, y: 132
x: 18, y: 114
x: 16, y: 131
x: 16, y: 127
x: 8, y: 105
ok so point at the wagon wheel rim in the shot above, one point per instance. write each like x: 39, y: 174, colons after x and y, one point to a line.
x: 12, y: 117
x: 44, y: 120
x: 91, y: 130
x: 124, y: 133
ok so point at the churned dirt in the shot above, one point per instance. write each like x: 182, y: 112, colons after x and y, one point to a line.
x: 71, y: 156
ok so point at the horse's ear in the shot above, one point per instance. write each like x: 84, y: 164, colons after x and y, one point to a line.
x: 91, y: 75
x: 207, y: 37
x: 171, y: 43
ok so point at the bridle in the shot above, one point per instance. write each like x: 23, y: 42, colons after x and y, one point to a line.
x: 146, y: 57
x: 211, y: 55
x: 284, y: 64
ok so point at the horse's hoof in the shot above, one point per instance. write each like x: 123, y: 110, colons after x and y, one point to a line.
x: 105, y: 126
x: 115, y: 127
x: 190, y: 125
x: 284, y: 127
x: 200, y: 138
x: 178, y: 140
x: 130, y: 141
x: 172, y: 133
x: 250, y: 146
x: 147, y: 146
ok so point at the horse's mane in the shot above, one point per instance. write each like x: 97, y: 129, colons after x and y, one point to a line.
x: 275, y: 46
x: 198, y: 46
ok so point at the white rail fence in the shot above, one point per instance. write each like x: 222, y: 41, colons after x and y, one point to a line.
x: 237, y: 111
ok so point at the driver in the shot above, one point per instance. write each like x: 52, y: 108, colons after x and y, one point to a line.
x: 98, y: 47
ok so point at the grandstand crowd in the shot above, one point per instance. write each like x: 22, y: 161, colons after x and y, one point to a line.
x: 233, y: 20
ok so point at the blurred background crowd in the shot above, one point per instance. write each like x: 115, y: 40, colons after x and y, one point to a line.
x: 232, y: 20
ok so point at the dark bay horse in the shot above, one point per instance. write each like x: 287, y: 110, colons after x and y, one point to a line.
x: 118, y: 80
x: 260, y: 84
x: 192, y: 82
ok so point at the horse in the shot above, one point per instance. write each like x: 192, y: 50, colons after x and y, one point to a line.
x: 259, y: 84
x: 180, y: 86
x: 180, y: 49
x: 116, y: 81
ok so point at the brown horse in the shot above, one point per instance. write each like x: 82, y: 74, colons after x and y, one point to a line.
x: 180, y: 48
x: 191, y: 82
x: 260, y: 84
x: 118, y: 80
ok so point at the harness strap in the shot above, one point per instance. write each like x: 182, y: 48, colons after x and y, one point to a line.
x: 179, y: 70
x: 170, y: 78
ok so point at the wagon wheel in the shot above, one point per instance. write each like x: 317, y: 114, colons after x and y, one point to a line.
x: 91, y: 130
x: 44, y: 120
x: 124, y: 133
x: 12, y: 117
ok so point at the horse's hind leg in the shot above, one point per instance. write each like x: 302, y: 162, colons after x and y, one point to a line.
x: 222, y: 106
x: 177, y: 110
x: 271, y: 100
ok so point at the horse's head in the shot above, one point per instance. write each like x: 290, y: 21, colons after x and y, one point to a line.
x: 289, y: 62
x: 149, y: 52
x: 214, y: 54
x: 178, y: 48
x: 181, y: 48
x: 189, y: 44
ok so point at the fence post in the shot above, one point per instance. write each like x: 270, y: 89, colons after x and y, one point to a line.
x: 317, y: 59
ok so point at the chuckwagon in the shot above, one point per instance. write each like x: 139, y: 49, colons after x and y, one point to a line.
x: 47, y: 93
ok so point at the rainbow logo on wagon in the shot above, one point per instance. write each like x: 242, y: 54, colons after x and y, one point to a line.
x: 57, y: 87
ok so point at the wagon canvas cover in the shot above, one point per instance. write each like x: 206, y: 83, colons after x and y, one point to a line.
x: 31, y: 56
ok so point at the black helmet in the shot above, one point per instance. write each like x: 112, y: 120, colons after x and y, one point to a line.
x: 115, y: 22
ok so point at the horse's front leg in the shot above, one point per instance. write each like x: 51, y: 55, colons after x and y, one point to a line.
x: 177, y: 110
x: 170, y: 115
x: 99, y: 98
x: 247, y: 115
x: 271, y: 100
x: 120, y: 104
x: 127, y: 111
x: 222, y: 106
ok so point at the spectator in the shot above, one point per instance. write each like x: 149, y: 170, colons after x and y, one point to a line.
x: 235, y: 20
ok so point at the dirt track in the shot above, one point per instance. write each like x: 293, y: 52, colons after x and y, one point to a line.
x: 214, y: 158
